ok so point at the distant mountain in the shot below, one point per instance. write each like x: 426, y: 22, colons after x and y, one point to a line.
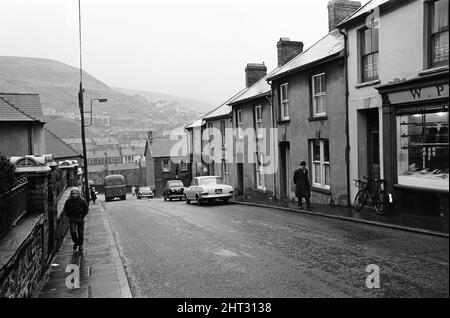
x: 198, y: 106
x: 58, y: 84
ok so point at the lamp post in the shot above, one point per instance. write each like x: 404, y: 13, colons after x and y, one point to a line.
x: 81, y: 105
x: 101, y: 100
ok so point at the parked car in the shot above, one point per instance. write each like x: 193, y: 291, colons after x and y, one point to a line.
x: 174, y: 189
x: 115, y: 187
x: 144, y: 192
x: 208, y: 188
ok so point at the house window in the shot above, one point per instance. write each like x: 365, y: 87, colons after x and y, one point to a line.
x: 320, y: 158
x: 369, y: 54
x: 222, y: 133
x: 319, y: 95
x: 258, y: 122
x: 239, y: 123
x: 166, y: 165
x: 183, y: 167
x: 224, y: 168
x: 438, y: 33
x: 210, y: 131
x: 284, y: 111
x: 260, y: 172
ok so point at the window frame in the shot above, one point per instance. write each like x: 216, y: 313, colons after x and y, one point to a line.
x: 259, y: 172
x: 362, y: 55
x: 429, y: 34
x: 322, y: 164
x: 258, y: 122
x: 323, y: 93
x: 284, y: 102
x: 239, y: 123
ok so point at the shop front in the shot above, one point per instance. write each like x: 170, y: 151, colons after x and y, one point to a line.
x: 416, y: 144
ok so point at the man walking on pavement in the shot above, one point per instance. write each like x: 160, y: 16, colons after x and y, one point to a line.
x: 76, y: 210
x: 302, y: 188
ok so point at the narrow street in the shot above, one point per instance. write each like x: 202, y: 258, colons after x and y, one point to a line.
x: 172, y: 249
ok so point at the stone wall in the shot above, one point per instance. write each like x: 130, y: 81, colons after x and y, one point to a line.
x: 26, y: 251
x: 19, y: 277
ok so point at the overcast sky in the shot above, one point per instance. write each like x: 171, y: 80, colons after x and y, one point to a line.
x: 191, y: 48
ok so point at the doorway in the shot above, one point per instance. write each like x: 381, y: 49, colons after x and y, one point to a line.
x: 284, y: 168
x: 373, y: 144
x: 240, y: 178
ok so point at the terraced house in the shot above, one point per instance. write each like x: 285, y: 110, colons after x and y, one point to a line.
x: 398, y: 100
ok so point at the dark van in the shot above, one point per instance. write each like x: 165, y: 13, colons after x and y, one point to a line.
x: 115, y: 187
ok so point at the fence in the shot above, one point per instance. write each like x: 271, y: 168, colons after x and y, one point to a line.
x: 61, y: 184
x: 13, y: 205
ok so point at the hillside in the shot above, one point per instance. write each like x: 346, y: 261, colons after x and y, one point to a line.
x: 153, y: 97
x: 57, y: 84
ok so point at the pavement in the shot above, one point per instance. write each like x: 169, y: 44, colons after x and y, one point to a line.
x: 173, y: 249
x: 102, y: 274
x: 415, y: 223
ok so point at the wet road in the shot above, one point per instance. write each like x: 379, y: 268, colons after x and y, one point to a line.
x: 172, y: 249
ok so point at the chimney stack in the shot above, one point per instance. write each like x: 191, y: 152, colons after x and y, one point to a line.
x: 150, y: 137
x: 287, y: 50
x: 338, y: 10
x: 254, y: 72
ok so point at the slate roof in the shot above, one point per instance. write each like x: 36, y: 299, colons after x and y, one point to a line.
x: 101, y: 154
x: 131, y: 152
x: 330, y: 44
x: 115, y: 167
x: 57, y: 147
x: 368, y: 7
x: 223, y: 109
x: 20, y: 107
x: 260, y: 88
x: 161, y: 146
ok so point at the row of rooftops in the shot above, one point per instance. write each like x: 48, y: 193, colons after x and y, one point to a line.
x: 332, y: 44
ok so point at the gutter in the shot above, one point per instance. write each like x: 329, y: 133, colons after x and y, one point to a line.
x: 347, y: 137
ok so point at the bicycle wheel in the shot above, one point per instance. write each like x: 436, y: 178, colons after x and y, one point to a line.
x: 360, y: 200
x: 382, y: 204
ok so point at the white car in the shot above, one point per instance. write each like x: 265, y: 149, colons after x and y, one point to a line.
x: 208, y: 188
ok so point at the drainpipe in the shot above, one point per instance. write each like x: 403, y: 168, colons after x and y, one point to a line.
x: 274, y: 143
x: 347, y: 137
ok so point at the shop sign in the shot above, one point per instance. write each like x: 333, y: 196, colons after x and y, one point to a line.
x: 419, y: 94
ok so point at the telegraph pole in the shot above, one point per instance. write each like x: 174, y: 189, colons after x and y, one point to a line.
x: 81, y: 105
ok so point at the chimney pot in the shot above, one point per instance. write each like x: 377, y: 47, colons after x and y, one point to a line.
x: 338, y: 10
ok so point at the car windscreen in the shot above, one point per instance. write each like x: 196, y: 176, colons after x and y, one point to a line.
x: 144, y: 189
x: 175, y: 184
x: 207, y: 181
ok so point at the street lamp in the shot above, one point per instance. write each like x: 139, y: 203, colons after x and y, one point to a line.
x: 101, y: 100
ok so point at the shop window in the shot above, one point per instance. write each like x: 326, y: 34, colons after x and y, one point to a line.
x: 438, y: 33
x: 423, y: 148
x: 320, y: 158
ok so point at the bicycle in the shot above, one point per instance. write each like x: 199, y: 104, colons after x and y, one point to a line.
x: 370, y: 191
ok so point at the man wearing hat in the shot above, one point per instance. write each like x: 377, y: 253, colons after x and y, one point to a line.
x: 302, y: 188
x: 76, y: 210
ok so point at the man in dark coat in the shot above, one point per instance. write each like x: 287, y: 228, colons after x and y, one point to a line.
x: 302, y: 188
x: 76, y: 210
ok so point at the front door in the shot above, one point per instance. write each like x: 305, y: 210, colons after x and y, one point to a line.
x: 240, y: 177
x: 284, y: 169
x: 373, y: 144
